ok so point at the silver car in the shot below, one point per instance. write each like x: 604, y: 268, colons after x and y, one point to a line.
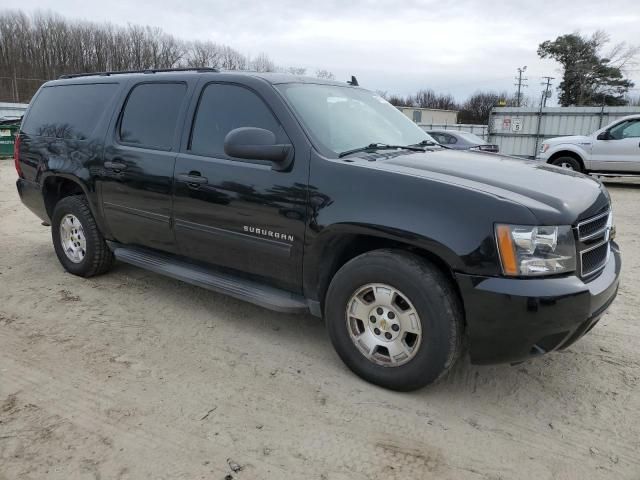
x: 459, y: 140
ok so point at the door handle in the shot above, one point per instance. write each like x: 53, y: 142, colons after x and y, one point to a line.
x: 192, y: 178
x: 117, y: 166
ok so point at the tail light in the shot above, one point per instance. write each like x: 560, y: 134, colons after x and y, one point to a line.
x: 16, y: 155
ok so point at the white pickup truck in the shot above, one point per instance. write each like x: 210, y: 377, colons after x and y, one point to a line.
x: 612, y: 149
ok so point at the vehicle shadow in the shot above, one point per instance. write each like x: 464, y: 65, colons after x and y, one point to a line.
x: 632, y: 184
x: 547, y: 379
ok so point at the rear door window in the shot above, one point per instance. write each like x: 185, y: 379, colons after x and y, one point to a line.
x: 69, y: 111
x: 150, y: 115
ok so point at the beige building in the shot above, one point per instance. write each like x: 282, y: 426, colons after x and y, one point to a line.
x: 430, y: 115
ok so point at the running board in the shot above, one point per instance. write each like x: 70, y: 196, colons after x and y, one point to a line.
x: 615, y: 175
x: 240, y: 288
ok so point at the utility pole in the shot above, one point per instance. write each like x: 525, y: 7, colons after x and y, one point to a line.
x: 543, y: 103
x: 520, y: 84
x: 546, y: 93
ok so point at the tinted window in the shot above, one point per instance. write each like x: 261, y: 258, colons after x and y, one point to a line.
x: 223, y: 108
x: 151, y: 113
x: 69, y: 111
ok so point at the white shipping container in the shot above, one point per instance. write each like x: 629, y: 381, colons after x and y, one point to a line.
x: 429, y: 115
x: 12, y: 110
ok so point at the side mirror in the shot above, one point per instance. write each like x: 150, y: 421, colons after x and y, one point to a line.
x: 604, y: 135
x: 253, y: 143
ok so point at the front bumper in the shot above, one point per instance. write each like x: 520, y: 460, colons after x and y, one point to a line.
x: 510, y: 320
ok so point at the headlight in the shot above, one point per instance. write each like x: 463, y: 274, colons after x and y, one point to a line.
x: 529, y: 251
x: 544, y: 147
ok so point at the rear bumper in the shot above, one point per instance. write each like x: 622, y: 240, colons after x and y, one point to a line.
x: 510, y: 320
x: 31, y: 195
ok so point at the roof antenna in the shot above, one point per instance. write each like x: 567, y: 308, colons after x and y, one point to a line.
x: 353, y: 82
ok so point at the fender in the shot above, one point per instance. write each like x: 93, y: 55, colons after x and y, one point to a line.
x: 570, y: 147
x: 341, y: 241
x: 87, y: 187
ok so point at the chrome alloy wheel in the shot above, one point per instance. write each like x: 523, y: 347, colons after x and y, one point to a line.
x: 72, y: 238
x: 566, y: 165
x: 383, y: 325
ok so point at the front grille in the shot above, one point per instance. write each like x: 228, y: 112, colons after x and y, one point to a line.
x: 593, y: 237
x: 593, y: 226
x: 594, y: 259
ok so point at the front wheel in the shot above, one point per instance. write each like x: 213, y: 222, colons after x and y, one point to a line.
x: 569, y: 163
x: 78, y: 243
x: 394, y: 319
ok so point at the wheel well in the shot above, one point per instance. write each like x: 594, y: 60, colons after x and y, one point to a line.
x: 348, y: 247
x: 57, y: 188
x: 567, y: 153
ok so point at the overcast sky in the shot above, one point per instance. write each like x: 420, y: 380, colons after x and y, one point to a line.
x: 396, y: 46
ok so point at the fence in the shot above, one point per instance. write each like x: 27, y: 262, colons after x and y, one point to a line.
x: 480, y: 130
x: 17, y: 89
x: 520, y: 131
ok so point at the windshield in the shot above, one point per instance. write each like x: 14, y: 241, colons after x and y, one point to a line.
x: 345, y: 118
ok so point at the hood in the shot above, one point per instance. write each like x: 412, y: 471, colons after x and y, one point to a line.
x: 571, y: 139
x: 555, y: 196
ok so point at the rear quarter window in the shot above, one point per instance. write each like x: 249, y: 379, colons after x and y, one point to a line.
x: 69, y: 111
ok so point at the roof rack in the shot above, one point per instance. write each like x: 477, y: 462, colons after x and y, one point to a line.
x: 148, y: 70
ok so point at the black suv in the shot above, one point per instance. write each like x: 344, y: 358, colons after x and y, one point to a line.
x: 300, y: 194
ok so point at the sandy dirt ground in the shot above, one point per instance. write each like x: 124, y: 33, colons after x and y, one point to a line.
x: 135, y: 376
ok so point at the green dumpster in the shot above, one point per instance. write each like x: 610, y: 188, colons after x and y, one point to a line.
x: 8, y: 134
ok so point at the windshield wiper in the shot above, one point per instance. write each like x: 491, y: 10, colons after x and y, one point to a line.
x: 381, y: 146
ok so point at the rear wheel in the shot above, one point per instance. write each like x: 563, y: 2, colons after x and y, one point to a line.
x: 569, y: 163
x: 394, y: 319
x: 79, y: 245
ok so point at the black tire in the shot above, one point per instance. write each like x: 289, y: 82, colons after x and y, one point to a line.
x: 568, y: 163
x: 432, y: 296
x: 98, y: 258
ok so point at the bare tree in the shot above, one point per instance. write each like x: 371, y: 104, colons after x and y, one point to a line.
x: 478, y: 106
x: 232, y: 59
x: 262, y: 63
x: 296, y: 70
x: 203, y: 54
x: 400, y: 101
x: 43, y: 46
x: 325, y: 74
x: 430, y: 99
